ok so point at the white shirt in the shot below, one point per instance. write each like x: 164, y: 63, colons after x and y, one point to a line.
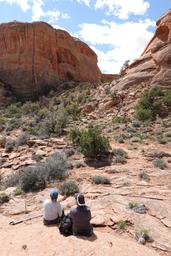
x: 51, y: 210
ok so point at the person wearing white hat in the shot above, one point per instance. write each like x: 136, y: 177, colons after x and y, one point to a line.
x: 81, y: 216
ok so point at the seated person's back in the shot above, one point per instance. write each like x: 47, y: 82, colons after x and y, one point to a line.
x: 52, y: 209
x: 81, y: 217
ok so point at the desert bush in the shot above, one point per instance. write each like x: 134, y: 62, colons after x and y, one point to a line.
x: 120, y: 119
x: 37, y: 157
x: 69, y: 152
x: 21, y: 139
x: 120, y: 138
x: 150, y: 104
x: 119, y: 152
x: 136, y: 123
x: 9, y: 145
x: 73, y: 110
x: 93, y: 144
x: 69, y: 188
x: 132, y: 205
x: 121, y: 225
x: 159, y: 163
x: 32, y: 179
x: 75, y: 135
x: 4, y: 198
x: 162, y: 140
x: 144, y: 176
x: 144, y: 114
x: 100, y: 180
x: 167, y: 97
x: 55, y: 167
x: 79, y: 164
x: 120, y: 155
x: 2, y: 141
x: 18, y: 192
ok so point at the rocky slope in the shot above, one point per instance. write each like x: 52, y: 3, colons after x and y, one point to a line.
x: 153, y: 66
x: 35, y: 56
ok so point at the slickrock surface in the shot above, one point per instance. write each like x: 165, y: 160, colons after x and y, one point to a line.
x: 35, y: 56
x: 108, y: 203
x: 153, y: 66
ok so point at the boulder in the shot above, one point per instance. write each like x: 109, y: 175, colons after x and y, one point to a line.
x: 153, y: 66
x: 36, y: 57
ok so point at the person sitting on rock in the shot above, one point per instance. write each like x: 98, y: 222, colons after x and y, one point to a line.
x: 81, y: 217
x: 52, y: 210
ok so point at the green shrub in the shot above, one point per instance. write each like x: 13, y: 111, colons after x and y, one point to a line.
x: 21, y: 139
x: 120, y: 119
x: 144, y: 176
x: 69, y: 152
x: 9, y: 145
x: 167, y: 97
x: 150, y: 104
x: 119, y: 152
x: 55, y: 167
x: 75, y: 135
x: 120, y: 138
x: 159, y: 163
x: 144, y: 114
x: 120, y: 155
x: 32, y: 179
x: 37, y: 157
x: 18, y: 192
x: 2, y: 141
x: 93, y: 144
x: 73, y: 110
x: 79, y: 164
x: 132, y: 205
x: 100, y: 180
x: 69, y: 188
x: 4, y: 198
x: 121, y: 225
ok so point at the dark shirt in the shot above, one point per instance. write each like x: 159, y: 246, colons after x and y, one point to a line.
x: 81, y: 217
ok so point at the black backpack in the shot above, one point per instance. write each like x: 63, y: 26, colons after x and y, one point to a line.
x: 65, y: 226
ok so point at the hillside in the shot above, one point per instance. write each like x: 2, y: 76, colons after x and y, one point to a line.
x: 112, y: 141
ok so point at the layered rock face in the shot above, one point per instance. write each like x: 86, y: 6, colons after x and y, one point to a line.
x: 154, y: 65
x: 35, y: 56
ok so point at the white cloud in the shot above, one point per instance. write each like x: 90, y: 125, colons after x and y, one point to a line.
x: 51, y: 15
x: 123, y: 41
x: 24, y: 4
x: 123, y: 8
x: 120, y: 8
x: 86, y: 2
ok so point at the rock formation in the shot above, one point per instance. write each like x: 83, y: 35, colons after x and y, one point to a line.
x: 153, y: 66
x: 35, y: 56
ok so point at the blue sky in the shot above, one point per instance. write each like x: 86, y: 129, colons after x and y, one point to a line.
x: 116, y: 30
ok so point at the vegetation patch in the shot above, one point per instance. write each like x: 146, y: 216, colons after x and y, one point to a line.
x: 91, y: 143
x: 100, y: 180
x: 4, y: 198
x: 69, y: 188
x: 159, y: 163
x: 34, y: 178
x: 154, y: 102
x: 121, y: 225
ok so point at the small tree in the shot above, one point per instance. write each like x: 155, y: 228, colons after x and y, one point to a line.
x: 93, y: 144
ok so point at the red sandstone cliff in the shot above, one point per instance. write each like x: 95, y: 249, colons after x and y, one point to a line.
x: 153, y: 66
x: 34, y: 56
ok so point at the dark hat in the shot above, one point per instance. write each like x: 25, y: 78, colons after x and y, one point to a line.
x: 80, y: 199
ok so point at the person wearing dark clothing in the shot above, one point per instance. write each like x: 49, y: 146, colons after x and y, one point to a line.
x: 81, y: 217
